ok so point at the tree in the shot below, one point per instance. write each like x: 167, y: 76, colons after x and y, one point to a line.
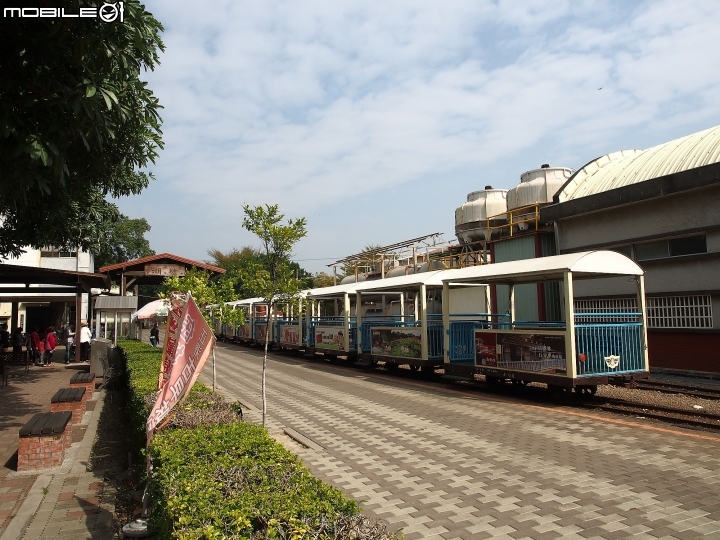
x: 124, y: 241
x: 77, y: 124
x: 210, y: 295
x: 275, y: 279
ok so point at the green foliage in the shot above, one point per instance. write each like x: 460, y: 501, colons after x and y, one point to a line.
x: 210, y: 295
x: 273, y: 277
x: 77, y: 123
x: 228, y: 480
x: 123, y: 241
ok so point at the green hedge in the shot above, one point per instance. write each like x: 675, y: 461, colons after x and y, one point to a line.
x: 225, y: 481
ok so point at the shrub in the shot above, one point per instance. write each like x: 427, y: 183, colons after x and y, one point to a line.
x: 215, y: 480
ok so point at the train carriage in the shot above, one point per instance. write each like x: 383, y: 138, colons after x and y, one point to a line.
x: 580, y: 351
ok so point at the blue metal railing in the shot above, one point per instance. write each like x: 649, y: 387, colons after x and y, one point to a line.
x: 609, y: 348
x: 462, y: 340
x: 436, y: 344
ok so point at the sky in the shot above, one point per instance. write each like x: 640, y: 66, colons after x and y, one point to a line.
x: 373, y: 120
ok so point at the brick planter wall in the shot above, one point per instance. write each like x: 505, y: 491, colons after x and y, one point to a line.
x: 89, y: 389
x: 77, y: 408
x: 45, y: 452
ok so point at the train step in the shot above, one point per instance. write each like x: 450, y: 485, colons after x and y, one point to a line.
x: 456, y: 378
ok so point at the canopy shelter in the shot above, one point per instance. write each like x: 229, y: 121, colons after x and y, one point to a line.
x: 31, y: 284
x: 153, y: 270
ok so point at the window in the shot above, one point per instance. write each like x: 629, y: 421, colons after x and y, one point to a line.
x: 679, y: 312
x: 49, y: 251
x: 651, y: 250
x: 676, y: 247
x: 688, y: 245
x: 662, y: 311
x: 623, y: 250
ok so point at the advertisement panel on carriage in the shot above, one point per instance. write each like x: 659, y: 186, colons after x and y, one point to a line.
x: 289, y: 335
x: 244, y: 331
x: 399, y: 342
x: 539, y: 353
x: 261, y: 330
x: 331, y: 338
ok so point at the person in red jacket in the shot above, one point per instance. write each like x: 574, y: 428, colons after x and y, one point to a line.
x: 50, y: 344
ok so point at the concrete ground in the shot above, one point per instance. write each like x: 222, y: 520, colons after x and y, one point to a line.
x: 446, y: 464
x: 67, y: 502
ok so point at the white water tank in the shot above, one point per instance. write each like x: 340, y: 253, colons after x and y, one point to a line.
x: 471, y: 217
x: 538, y: 186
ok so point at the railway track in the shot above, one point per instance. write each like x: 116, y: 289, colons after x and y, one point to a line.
x: 673, y: 388
x: 674, y: 415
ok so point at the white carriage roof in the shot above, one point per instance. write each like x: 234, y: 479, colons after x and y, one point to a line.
x: 627, y: 167
x: 583, y: 265
x: 246, y: 302
x: 413, y: 281
x: 336, y: 291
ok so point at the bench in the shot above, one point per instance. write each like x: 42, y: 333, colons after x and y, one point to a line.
x: 43, y: 440
x: 84, y: 380
x: 70, y: 399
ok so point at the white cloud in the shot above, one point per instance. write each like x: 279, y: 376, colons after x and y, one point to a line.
x: 310, y: 104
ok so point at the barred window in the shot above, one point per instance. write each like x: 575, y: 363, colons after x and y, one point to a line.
x: 605, y: 309
x: 662, y: 311
x: 680, y: 311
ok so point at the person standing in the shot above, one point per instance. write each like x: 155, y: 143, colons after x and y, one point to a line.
x: 154, y: 336
x: 50, y: 344
x: 38, y: 342
x: 17, y: 342
x: 68, y: 336
x: 85, y: 339
x: 4, y: 336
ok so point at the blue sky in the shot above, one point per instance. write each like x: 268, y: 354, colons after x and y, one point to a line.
x: 375, y: 119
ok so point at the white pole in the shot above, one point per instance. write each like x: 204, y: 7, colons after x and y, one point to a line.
x: 213, y: 351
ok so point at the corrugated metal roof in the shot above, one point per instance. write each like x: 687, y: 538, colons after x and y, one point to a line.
x: 116, y: 302
x: 627, y: 167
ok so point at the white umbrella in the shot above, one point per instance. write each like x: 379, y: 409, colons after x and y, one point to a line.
x: 157, y: 308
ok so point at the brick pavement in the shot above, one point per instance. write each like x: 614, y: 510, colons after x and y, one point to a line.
x: 446, y: 465
x: 68, y: 498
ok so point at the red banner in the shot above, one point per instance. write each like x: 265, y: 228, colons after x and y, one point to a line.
x: 175, y: 314
x: 194, y: 344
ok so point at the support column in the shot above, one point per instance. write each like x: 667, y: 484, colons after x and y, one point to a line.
x: 358, y: 321
x: 346, y: 337
x: 511, y: 304
x: 300, y: 321
x: 416, y: 307
x: 78, y: 325
x: 423, y: 322
x: 402, y: 308
x: 446, y: 321
x: 640, y: 281
x: 14, y: 316
x: 570, y: 364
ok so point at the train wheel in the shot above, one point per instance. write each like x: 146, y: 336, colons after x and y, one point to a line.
x: 392, y: 368
x: 517, y: 382
x: 414, y: 368
x: 494, y: 381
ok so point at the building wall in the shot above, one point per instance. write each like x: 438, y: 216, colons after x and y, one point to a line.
x: 84, y: 262
x: 694, y: 351
x: 696, y: 210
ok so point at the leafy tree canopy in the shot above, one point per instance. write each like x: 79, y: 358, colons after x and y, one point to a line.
x: 77, y: 125
x: 124, y: 241
x: 210, y: 295
x: 273, y: 276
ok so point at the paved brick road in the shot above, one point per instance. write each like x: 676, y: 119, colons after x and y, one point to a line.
x: 445, y: 465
